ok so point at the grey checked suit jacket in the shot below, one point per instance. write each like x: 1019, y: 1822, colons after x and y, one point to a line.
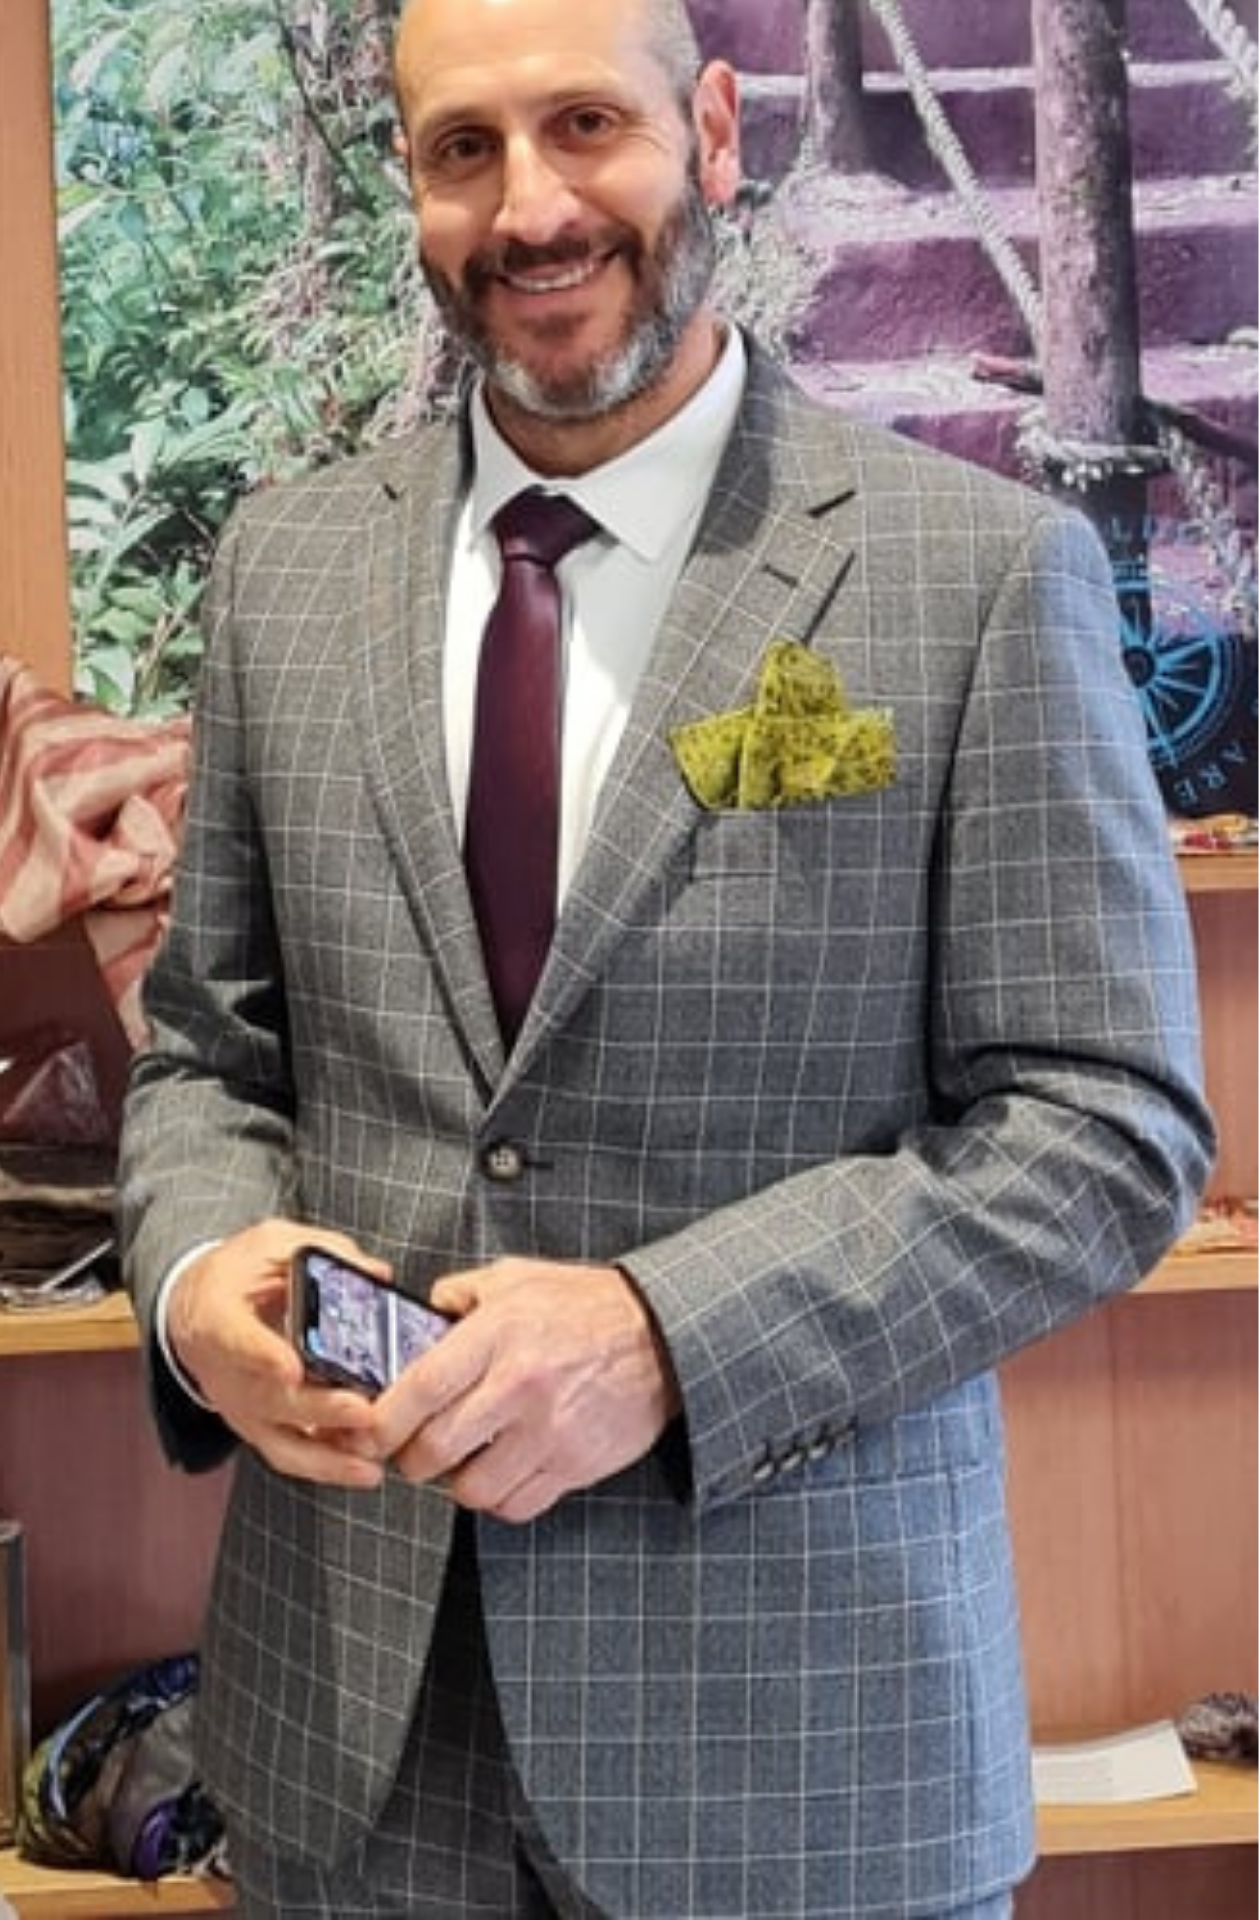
x: 865, y: 1094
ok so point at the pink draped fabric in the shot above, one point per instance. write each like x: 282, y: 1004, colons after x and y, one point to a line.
x: 91, y: 806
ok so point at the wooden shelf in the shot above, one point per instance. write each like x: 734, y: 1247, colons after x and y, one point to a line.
x: 1219, y: 872
x: 77, y: 1893
x: 1221, y: 1814
x: 1202, y: 1273
x: 107, y: 1326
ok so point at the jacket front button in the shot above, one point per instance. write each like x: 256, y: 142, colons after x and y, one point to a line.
x: 502, y: 1161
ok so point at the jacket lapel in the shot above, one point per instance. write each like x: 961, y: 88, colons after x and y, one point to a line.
x: 399, y: 696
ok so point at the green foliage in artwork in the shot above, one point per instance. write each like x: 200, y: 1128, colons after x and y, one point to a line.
x: 239, y: 298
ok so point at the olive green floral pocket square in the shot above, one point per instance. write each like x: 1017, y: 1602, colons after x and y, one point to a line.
x: 799, y: 741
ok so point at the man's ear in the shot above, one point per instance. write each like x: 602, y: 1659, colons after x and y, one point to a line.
x: 715, y: 113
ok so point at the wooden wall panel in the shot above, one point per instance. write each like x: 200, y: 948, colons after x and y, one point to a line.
x: 1225, y: 927
x: 118, y: 1545
x: 1133, y: 1504
x: 1186, y: 1496
x: 34, y: 599
x: 1064, y: 1473
x: 1217, y: 1883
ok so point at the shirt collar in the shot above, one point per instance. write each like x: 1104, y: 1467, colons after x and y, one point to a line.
x: 644, y: 495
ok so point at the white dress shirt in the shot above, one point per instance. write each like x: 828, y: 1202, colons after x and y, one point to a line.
x: 615, y: 587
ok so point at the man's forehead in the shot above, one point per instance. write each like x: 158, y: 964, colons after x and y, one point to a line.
x: 477, y: 49
x: 431, y: 30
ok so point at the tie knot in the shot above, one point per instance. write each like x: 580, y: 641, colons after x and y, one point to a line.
x: 542, y: 527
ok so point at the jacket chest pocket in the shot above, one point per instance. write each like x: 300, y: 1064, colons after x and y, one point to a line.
x: 789, y: 866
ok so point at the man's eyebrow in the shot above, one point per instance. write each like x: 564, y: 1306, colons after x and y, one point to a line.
x: 474, y: 114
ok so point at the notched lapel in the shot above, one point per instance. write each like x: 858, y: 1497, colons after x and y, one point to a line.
x: 399, y: 695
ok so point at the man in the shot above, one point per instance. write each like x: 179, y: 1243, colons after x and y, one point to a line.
x: 674, y: 1579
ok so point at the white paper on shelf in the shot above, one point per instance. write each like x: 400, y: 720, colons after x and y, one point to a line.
x: 1142, y: 1763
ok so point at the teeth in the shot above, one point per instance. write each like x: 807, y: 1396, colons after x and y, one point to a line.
x: 552, y: 283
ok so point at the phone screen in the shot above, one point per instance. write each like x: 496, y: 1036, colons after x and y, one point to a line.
x: 355, y: 1330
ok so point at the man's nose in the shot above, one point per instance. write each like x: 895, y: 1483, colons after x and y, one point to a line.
x: 536, y: 199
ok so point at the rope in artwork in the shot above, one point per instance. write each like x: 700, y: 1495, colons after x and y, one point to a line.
x: 946, y: 148
x: 1232, y: 41
x: 1234, y: 556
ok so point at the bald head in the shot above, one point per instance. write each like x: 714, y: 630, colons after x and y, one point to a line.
x: 665, y: 28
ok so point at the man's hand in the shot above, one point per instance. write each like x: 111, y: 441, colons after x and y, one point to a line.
x: 555, y: 1377
x: 225, y: 1324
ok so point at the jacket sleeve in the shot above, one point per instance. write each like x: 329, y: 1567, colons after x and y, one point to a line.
x: 206, y: 1145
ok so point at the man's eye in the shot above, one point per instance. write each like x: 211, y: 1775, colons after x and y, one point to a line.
x: 591, y: 124
x: 455, y: 154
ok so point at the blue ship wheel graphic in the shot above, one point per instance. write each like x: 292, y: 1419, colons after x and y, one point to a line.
x: 1187, y: 681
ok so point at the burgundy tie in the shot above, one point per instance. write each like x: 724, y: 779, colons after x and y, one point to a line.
x: 513, y: 822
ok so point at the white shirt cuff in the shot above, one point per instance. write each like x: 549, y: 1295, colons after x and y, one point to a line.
x: 161, y: 1310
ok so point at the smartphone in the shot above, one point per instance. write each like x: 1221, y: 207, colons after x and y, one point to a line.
x: 351, y: 1329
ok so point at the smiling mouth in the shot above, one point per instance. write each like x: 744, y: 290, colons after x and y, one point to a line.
x: 559, y: 278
